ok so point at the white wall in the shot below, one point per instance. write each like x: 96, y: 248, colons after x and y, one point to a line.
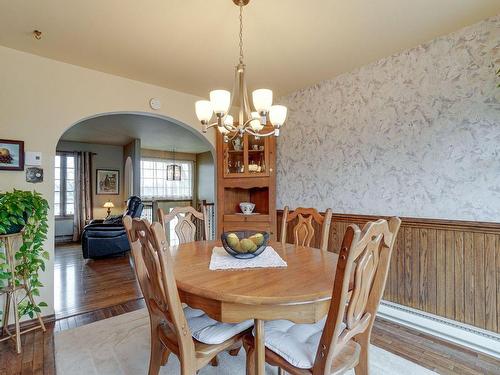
x: 205, y: 176
x: 415, y: 134
x: 41, y: 98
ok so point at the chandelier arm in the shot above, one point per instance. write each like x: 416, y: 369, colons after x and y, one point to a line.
x: 259, y: 134
x: 236, y: 133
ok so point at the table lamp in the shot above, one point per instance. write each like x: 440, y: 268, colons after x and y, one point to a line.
x: 109, y: 205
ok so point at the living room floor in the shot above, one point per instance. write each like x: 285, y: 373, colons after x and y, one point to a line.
x: 92, y: 290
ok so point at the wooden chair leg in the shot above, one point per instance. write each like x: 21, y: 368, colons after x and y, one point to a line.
x: 364, y: 341
x: 214, y: 362
x: 250, y: 351
x: 165, y: 356
x: 156, y: 355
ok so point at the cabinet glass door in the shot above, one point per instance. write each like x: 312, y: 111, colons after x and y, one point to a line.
x: 258, y: 155
x: 234, y: 157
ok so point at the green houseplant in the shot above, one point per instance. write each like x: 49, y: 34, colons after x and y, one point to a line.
x: 25, y: 210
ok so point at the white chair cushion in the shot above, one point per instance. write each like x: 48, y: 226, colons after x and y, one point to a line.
x: 210, y: 331
x: 296, y: 343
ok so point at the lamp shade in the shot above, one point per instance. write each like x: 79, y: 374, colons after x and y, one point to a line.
x: 108, y: 204
x: 220, y: 100
x: 228, y: 120
x: 262, y: 100
x: 277, y: 115
x: 255, y: 123
x: 204, y: 110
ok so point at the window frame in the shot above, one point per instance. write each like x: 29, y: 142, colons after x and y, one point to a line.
x: 63, y: 186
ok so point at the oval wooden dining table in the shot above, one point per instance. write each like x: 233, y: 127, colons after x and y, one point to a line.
x: 301, y: 292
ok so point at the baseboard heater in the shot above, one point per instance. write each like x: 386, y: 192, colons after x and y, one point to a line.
x: 459, y: 333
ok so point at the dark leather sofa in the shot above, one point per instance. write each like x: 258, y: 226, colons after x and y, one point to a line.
x: 102, y: 238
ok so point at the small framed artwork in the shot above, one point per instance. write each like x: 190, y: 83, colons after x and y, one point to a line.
x: 11, y: 155
x: 107, y: 181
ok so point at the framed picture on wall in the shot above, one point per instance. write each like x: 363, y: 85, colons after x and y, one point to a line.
x: 107, y: 181
x: 11, y: 155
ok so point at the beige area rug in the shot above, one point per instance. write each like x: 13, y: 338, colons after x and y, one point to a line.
x: 120, y: 346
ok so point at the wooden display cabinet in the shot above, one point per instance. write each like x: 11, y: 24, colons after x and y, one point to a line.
x: 246, y: 172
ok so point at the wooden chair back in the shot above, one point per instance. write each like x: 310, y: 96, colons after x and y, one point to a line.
x: 303, y: 232
x: 153, y: 267
x: 185, y: 227
x: 360, y: 279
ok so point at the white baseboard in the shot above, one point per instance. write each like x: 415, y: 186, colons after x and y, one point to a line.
x: 459, y: 333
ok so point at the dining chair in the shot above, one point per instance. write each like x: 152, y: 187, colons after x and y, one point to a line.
x: 341, y: 340
x: 189, y: 333
x: 303, y: 232
x: 185, y: 227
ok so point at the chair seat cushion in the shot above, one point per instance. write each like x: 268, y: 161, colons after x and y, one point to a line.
x: 210, y: 331
x: 296, y: 343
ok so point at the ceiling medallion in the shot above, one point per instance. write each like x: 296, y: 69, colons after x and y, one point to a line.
x: 252, y: 122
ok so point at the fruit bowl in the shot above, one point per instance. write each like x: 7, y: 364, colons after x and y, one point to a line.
x: 244, y: 245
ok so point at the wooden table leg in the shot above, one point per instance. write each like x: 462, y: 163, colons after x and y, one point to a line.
x: 260, y: 355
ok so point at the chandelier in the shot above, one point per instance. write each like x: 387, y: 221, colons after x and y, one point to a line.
x: 221, y: 102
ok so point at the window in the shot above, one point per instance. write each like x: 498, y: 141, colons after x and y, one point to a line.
x: 154, y: 182
x: 64, y: 199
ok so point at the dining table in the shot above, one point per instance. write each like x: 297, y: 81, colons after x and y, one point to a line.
x: 300, y: 292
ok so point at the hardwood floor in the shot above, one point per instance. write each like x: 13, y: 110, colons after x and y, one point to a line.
x: 88, y: 285
x: 107, y: 288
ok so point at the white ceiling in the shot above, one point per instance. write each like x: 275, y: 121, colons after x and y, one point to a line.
x: 192, y: 45
x: 154, y: 133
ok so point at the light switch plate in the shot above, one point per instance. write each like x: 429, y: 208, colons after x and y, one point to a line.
x: 33, y: 158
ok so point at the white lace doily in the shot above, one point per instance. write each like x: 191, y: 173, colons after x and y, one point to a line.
x: 221, y: 260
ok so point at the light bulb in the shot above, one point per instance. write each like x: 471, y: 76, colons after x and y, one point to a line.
x: 220, y: 100
x: 262, y: 100
x: 203, y: 110
x: 277, y: 115
x: 255, y: 123
x: 228, y: 120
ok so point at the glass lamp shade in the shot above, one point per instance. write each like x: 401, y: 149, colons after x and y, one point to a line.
x: 204, y: 110
x: 228, y: 120
x: 220, y: 100
x: 262, y: 100
x: 108, y: 204
x: 277, y: 115
x: 255, y: 123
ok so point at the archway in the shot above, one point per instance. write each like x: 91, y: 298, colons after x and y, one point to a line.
x: 128, y: 171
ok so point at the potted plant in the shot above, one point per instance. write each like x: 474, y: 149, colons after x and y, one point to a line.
x: 25, y: 211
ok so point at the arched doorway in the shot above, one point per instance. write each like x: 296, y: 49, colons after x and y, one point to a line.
x: 121, y: 142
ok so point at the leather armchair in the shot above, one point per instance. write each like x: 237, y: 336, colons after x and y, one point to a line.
x: 101, y: 238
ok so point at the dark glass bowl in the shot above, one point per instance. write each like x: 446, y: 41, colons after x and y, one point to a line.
x: 241, y: 235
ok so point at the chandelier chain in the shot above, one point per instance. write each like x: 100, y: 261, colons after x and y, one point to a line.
x: 241, y: 32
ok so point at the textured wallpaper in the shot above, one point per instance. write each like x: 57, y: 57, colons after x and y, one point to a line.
x: 415, y: 134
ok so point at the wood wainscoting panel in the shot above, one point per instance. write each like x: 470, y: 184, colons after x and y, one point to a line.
x: 449, y: 268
